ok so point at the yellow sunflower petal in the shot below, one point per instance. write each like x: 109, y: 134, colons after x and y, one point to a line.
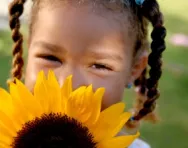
x: 108, y: 120
x: 87, y: 102
x: 29, y: 101
x: 79, y: 103
x: 118, y: 142
x: 78, y: 97
x: 74, y: 103
x: 7, y: 122
x: 95, y: 107
x: 113, y: 111
x: 97, y: 101
x: 6, y: 131
x: 2, y: 145
x: 119, y: 125
x: 5, y: 102
x: 67, y: 87
x: 86, y: 106
x: 6, y: 106
x: 54, y: 93
x: 40, y: 91
x: 89, y: 92
x: 48, y: 92
x: 21, y: 113
x: 5, y: 142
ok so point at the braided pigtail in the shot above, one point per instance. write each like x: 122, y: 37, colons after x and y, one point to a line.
x: 148, y: 88
x: 15, y: 11
x: 140, y: 85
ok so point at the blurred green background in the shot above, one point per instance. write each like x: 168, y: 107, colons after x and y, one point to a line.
x: 172, y: 131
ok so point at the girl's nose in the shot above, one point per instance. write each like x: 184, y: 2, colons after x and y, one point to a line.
x: 79, y: 77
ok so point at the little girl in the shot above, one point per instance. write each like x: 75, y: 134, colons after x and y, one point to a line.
x: 99, y: 42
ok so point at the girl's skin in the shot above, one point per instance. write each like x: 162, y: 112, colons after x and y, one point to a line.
x: 95, y: 46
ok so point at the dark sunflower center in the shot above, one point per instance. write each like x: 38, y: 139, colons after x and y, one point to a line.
x: 54, y: 131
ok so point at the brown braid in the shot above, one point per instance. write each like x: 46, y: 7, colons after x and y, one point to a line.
x: 150, y: 10
x: 141, y: 81
x: 140, y: 85
x: 15, y: 11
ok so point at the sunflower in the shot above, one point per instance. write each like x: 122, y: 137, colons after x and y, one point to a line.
x: 54, y: 117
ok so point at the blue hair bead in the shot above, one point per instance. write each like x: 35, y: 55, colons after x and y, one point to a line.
x: 139, y: 2
x: 131, y: 119
x: 129, y: 86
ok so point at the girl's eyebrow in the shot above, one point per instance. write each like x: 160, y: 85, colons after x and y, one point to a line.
x: 106, y: 55
x: 49, y: 46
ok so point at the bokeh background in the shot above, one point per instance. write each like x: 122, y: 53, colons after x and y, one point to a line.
x: 172, y: 131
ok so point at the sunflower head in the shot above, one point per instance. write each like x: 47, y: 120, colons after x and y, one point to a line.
x: 58, y: 117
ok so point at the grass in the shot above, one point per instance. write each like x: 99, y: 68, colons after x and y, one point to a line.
x: 5, y: 56
x: 172, y: 131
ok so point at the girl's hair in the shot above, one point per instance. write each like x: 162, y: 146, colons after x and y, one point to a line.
x: 147, y: 12
x: 15, y: 11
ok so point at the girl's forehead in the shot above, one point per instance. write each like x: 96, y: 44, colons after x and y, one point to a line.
x: 85, y: 15
x: 114, y: 8
x: 80, y: 20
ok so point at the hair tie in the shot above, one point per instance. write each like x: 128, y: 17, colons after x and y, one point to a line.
x: 139, y: 2
x: 131, y: 119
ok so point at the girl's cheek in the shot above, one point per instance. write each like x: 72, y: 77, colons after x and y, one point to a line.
x: 112, y: 95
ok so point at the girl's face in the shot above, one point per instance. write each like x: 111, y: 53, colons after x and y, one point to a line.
x: 77, y: 41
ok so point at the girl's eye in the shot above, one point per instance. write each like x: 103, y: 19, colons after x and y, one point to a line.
x: 101, y: 67
x: 51, y: 58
